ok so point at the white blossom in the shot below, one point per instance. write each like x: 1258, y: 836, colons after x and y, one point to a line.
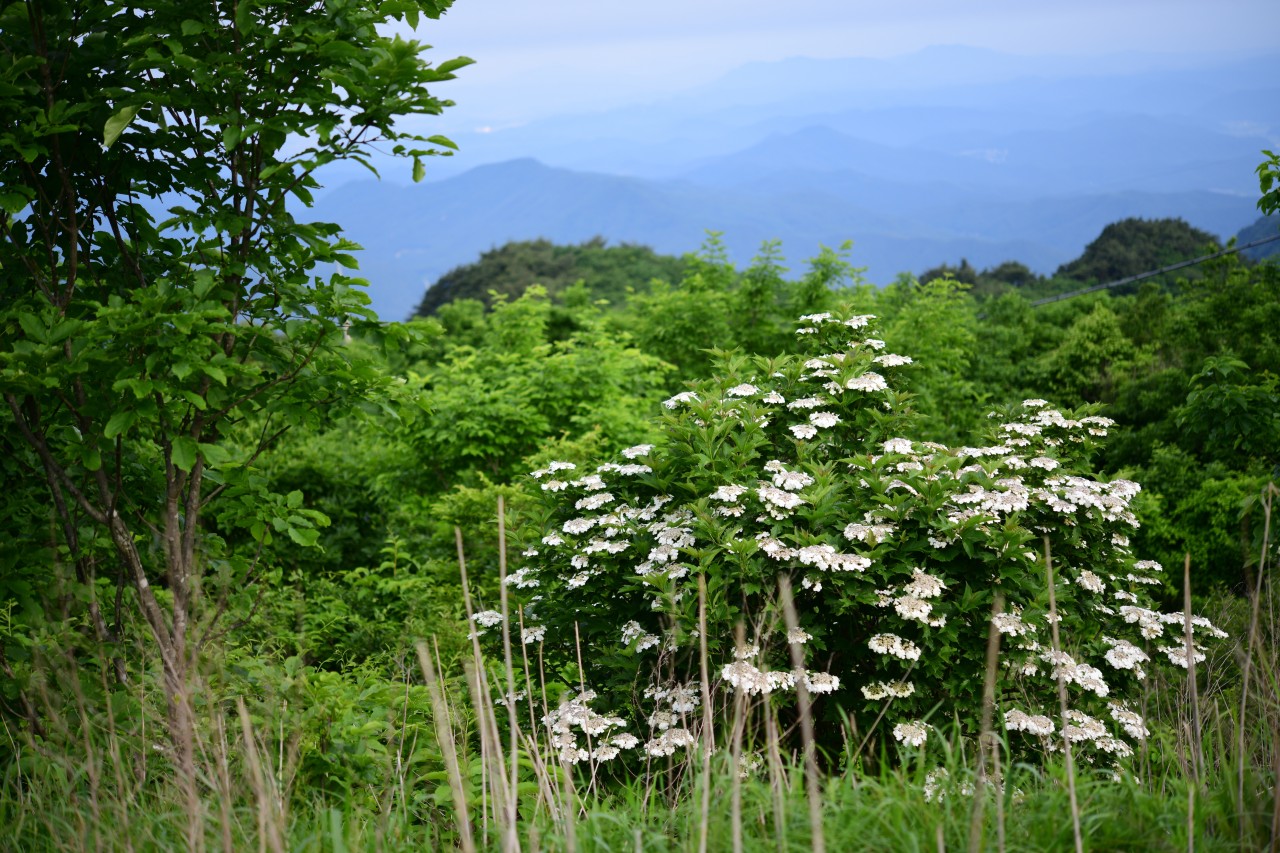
x: 868, y: 382
x: 892, y: 360
x: 682, y: 397
x: 729, y: 493
x: 912, y: 734
x: 892, y: 644
x: 824, y: 420
x: 1018, y: 721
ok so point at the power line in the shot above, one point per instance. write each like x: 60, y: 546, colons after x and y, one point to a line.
x: 1145, y: 275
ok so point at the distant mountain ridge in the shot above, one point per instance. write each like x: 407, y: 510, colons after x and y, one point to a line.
x: 413, y: 235
x: 952, y: 153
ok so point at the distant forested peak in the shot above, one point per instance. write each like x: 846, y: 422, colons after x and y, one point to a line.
x: 1265, y: 226
x: 607, y: 272
x: 1133, y: 246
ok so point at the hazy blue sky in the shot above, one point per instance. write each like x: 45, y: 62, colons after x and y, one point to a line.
x: 536, y: 58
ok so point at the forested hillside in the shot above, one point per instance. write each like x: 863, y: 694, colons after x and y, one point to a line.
x: 604, y: 550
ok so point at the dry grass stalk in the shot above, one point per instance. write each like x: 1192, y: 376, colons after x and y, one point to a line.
x: 448, y: 748
x: 492, y: 760
x: 812, y: 783
x: 1062, y: 699
x: 269, y: 830
x: 513, y: 841
x: 1197, y: 747
x: 778, y: 778
x: 708, y: 737
x: 986, y: 738
x: 541, y: 761
x: 1250, y: 643
x: 735, y: 753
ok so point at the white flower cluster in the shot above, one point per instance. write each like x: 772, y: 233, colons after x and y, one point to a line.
x: 1010, y: 622
x: 892, y: 360
x: 669, y: 741
x: 892, y: 644
x: 633, y: 633
x: 1020, y: 721
x: 1132, y: 723
x: 1066, y: 668
x: 576, y: 713
x: 938, y: 781
x: 679, y: 698
x: 778, y: 503
x: 828, y: 559
x: 888, y: 690
x: 871, y: 534
x: 485, y: 619
x: 680, y: 399
x: 912, y: 733
x: 869, y: 382
x: 791, y: 481
x: 1125, y: 655
x: 743, y: 675
x: 798, y: 635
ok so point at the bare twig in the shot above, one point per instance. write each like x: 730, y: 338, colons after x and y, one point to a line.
x: 1062, y: 699
x: 812, y: 785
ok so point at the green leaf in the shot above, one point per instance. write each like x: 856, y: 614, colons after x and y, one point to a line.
x: 31, y: 324
x: 183, y: 452
x: 14, y: 201
x: 443, y: 142
x: 244, y: 16
x: 451, y: 65
x: 214, y: 454
x: 120, y: 423
x: 304, y: 536
x: 419, y: 171
x: 117, y: 123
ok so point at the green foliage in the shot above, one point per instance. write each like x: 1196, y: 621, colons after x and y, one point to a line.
x: 797, y: 466
x: 1133, y: 246
x: 606, y: 272
x: 489, y: 407
x: 936, y: 322
x: 1269, y: 183
x: 151, y: 358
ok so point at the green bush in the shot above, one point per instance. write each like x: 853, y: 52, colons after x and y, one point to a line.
x: 799, y: 466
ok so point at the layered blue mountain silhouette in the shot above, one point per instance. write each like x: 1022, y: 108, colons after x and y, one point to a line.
x: 921, y: 160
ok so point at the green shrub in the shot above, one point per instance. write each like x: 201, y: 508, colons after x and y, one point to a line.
x: 800, y: 466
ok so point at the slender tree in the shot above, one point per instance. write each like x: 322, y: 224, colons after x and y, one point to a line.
x: 164, y: 314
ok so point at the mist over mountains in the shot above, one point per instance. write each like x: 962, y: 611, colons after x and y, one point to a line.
x: 920, y: 160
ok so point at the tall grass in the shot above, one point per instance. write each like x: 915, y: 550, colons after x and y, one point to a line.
x: 98, y: 777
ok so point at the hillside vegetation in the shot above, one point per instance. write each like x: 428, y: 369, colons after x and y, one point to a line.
x: 633, y: 554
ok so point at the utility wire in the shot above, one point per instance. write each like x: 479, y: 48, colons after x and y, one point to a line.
x: 1145, y: 275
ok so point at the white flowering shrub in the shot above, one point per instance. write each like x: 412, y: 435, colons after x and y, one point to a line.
x: 804, y: 466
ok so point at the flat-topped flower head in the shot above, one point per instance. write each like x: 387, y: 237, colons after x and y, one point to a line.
x: 868, y: 382
x: 911, y: 734
x: 680, y: 399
